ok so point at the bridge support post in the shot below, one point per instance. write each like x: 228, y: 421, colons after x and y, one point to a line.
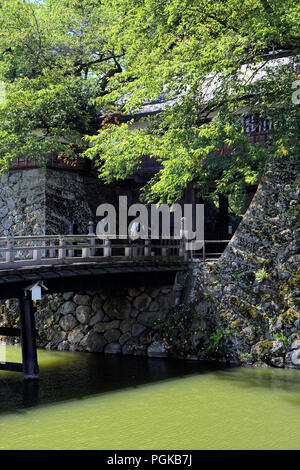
x: 28, y: 333
x: 107, y: 249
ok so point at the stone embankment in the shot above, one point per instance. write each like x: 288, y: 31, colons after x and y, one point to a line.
x: 110, y: 321
x: 249, y: 302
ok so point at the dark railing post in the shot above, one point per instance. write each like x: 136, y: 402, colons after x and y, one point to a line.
x: 28, y: 333
x: 147, y: 249
x: 164, y: 250
x: 92, y: 239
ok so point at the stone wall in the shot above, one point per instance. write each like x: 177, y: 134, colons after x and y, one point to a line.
x: 246, y: 307
x: 47, y: 201
x: 110, y: 321
x: 65, y: 202
x: 22, y: 203
x: 71, y: 197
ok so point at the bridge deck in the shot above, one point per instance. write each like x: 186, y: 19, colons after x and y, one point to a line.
x: 78, y: 262
x: 89, y: 276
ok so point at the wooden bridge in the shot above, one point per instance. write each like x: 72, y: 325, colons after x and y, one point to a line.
x: 35, y: 265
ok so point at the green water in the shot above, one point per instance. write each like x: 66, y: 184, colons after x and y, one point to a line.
x: 93, y: 401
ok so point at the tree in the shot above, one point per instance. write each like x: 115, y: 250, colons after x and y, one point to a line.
x: 219, y: 62
x: 73, y: 68
x: 54, y: 61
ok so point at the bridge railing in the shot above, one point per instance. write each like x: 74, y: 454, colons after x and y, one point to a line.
x: 58, y: 249
x: 64, y: 249
x: 208, y: 251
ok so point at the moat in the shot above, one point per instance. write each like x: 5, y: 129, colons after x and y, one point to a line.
x: 98, y: 401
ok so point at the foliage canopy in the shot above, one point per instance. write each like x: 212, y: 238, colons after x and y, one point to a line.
x: 69, y: 64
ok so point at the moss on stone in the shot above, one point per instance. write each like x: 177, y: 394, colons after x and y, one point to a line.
x: 235, y: 323
x: 247, y: 310
x: 254, y: 259
x: 265, y: 347
x: 289, y: 317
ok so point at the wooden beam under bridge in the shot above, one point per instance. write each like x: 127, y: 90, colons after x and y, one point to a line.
x: 87, y: 276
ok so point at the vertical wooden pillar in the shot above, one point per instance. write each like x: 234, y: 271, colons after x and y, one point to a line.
x: 223, y: 217
x: 29, y: 351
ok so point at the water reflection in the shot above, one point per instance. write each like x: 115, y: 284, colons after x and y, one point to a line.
x: 65, y: 376
x: 268, y: 378
x: 30, y: 393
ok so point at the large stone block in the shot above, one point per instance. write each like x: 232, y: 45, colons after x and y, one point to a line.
x: 56, y: 336
x: 68, y: 295
x: 142, y: 302
x: 112, y: 336
x: 124, y: 338
x: 106, y: 326
x: 93, y: 342
x: 75, y: 336
x: 117, y: 307
x: 96, y: 304
x: 83, y: 314
x: 295, y: 357
x: 80, y: 299
x: 126, y: 325
x: 296, y: 344
x: 67, y: 307
x: 96, y: 318
x: 137, y: 329
x: 68, y: 322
